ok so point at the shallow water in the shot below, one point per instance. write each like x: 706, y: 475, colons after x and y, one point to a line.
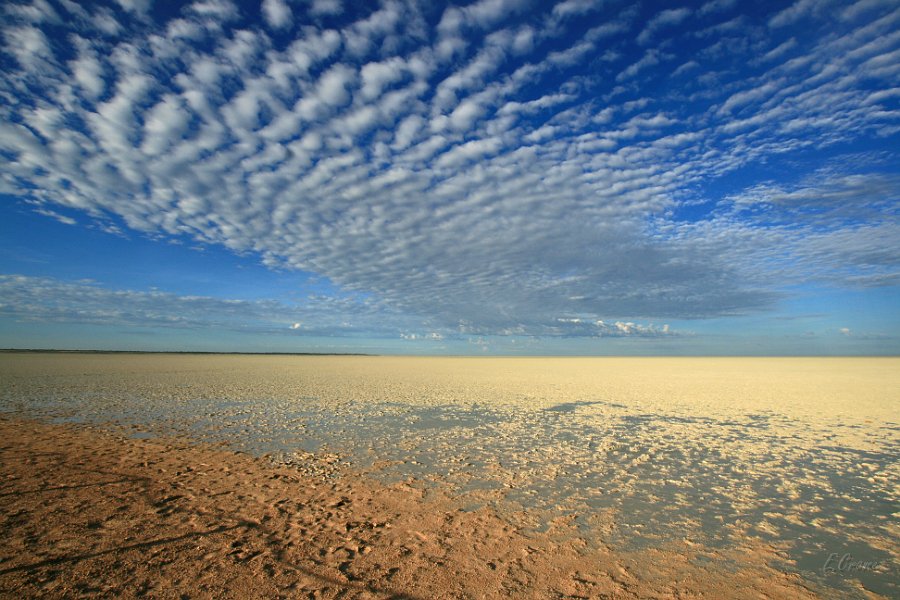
x: 632, y: 475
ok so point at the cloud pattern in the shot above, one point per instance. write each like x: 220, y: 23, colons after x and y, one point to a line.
x: 50, y: 300
x: 500, y: 167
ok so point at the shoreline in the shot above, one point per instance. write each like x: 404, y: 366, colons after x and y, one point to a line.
x: 86, y: 511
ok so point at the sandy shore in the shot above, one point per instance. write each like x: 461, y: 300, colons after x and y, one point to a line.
x: 85, y: 513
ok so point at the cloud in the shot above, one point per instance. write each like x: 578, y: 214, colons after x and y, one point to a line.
x: 334, y: 84
x: 277, y: 14
x: 663, y: 20
x: 55, y: 215
x: 164, y: 122
x: 431, y: 336
x: 481, y: 14
x: 716, y: 6
x: 29, y: 45
x: 49, y: 300
x: 574, y: 8
x: 135, y: 6
x: 88, y: 72
x: 779, y: 51
x: 469, y: 151
x: 377, y: 76
x: 617, y: 329
x: 326, y: 7
x: 222, y: 11
x: 856, y: 9
x: 487, y: 174
x: 650, y: 59
x: 794, y: 13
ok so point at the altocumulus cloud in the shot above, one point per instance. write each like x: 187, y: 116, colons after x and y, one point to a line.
x: 501, y: 167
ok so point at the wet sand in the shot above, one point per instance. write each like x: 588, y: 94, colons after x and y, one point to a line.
x: 388, y: 477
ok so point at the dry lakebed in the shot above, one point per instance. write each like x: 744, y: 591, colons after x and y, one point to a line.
x: 182, y: 476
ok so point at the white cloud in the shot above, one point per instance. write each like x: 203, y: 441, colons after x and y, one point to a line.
x: 663, y: 20
x: 481, y: 14
x: 376, y: 76
x: 164, y: 123
x: 779, y: 51
x: 464, y: 116
x: 574, y: 8
x: 88, y: 72
x: 29, y: 45
x: 408, y: 131
x: 469, y: 151
x: 856, y: 9
x: 55, y: 215
x: 333, y: 85
x: 136, y: 6
x: 326, y: 7
x: 794, y: 13
x: 37, y: 12
x: 277, y: 13
x: 650, y: 59
x: 524, y: 40
x: 717, y: 6
x: 220, y: 10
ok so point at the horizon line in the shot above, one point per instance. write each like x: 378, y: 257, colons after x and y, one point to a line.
x: 248, y: 353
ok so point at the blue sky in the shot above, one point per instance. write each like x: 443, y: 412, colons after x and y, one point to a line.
x: 492, y: 177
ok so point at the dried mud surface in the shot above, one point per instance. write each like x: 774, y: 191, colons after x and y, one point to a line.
x: 243, y: 476
x: 85, y: 513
